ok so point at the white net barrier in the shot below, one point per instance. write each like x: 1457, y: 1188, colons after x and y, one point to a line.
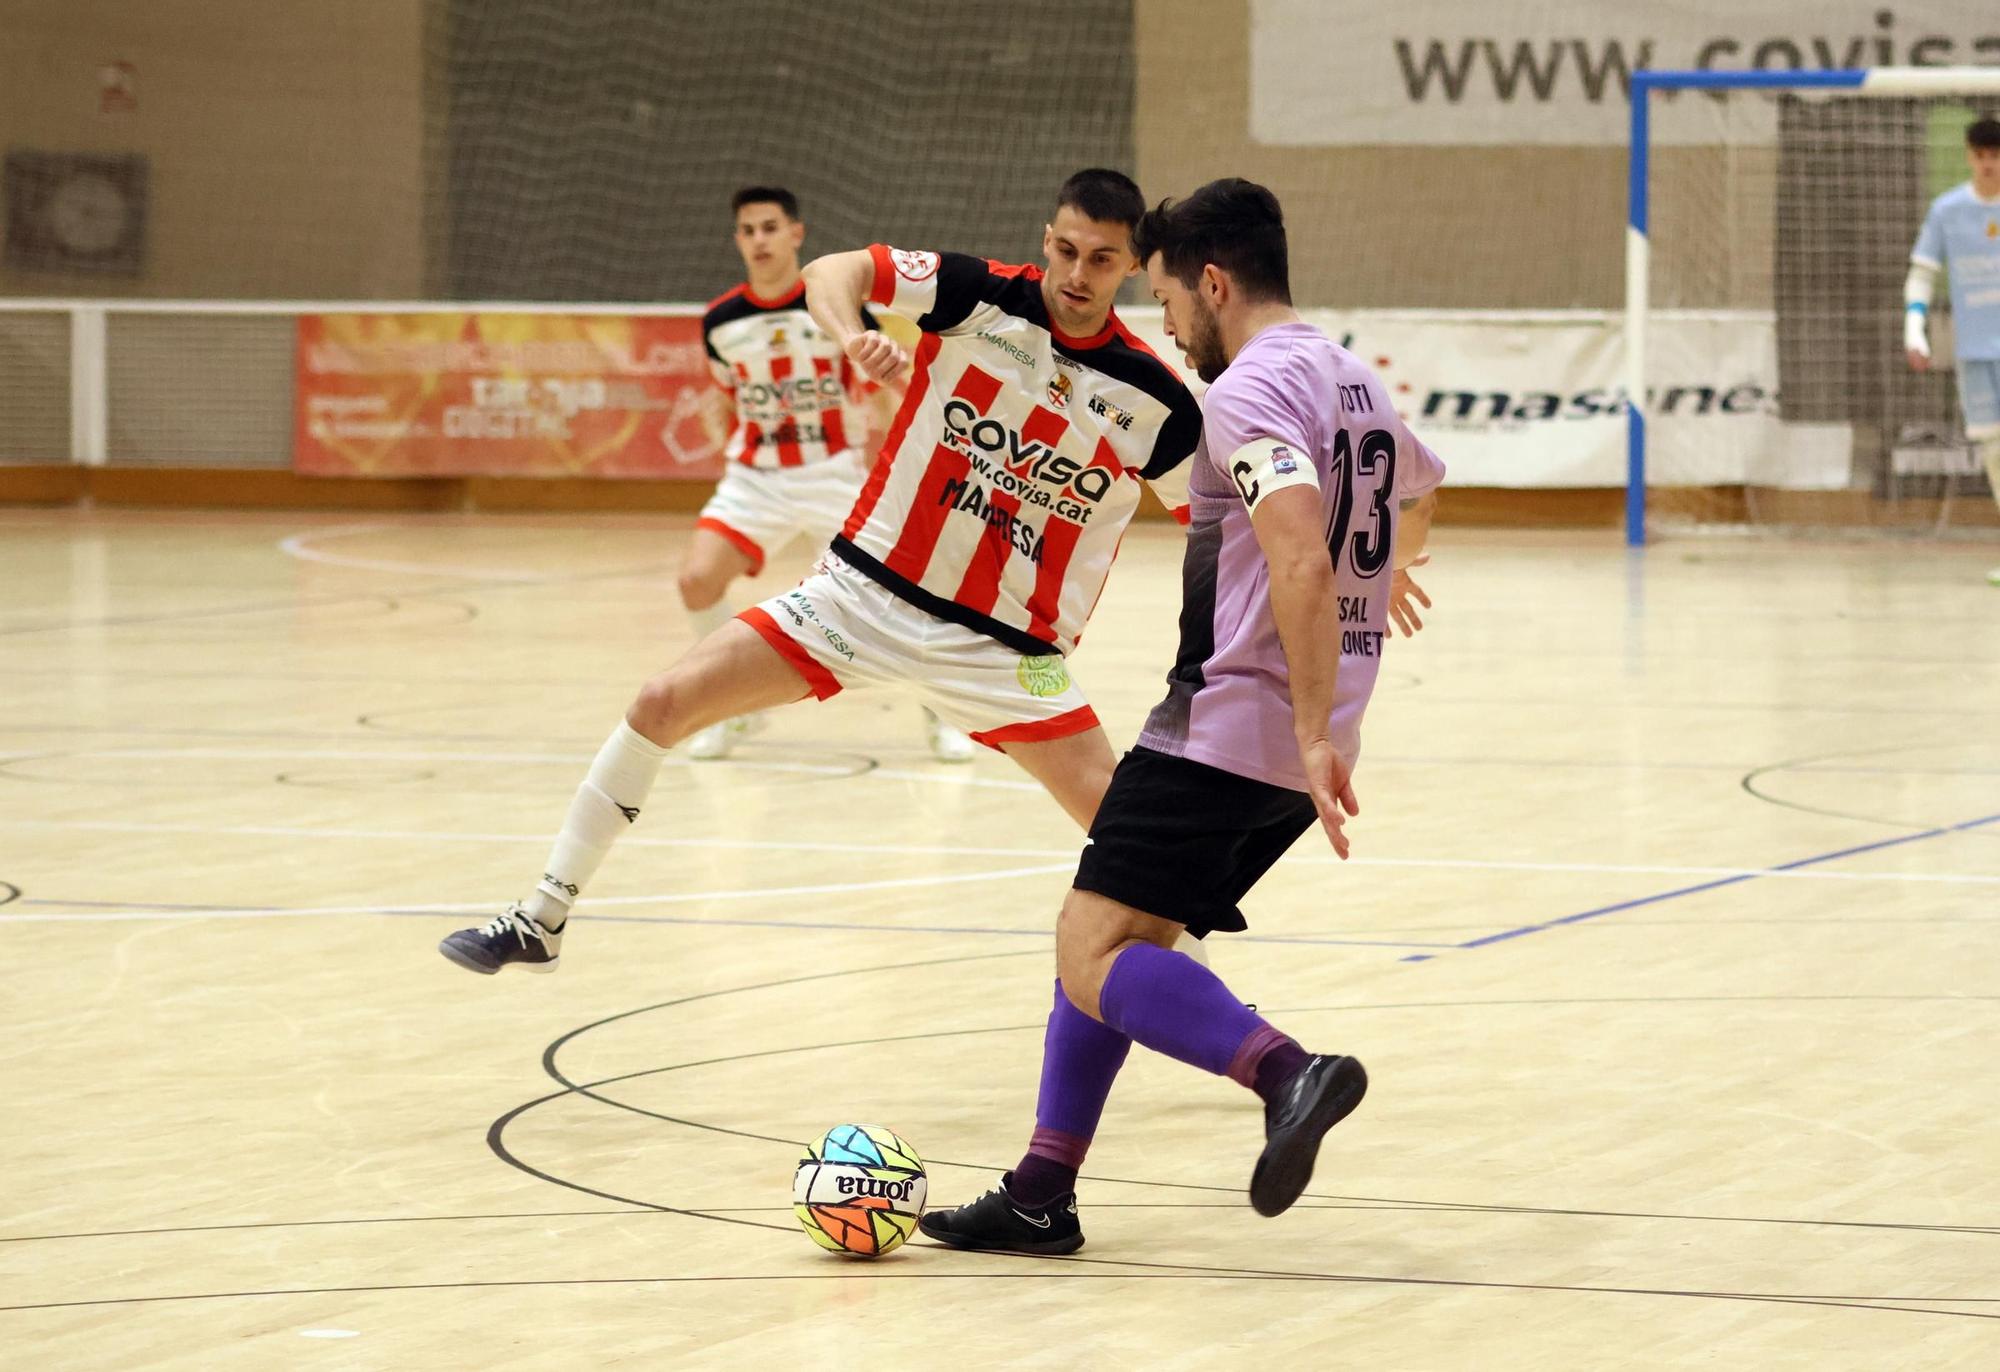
x: 588, y: 152
x: 1780, y: 396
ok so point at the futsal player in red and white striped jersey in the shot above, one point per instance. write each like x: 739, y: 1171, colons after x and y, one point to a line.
x: 975, y: 553
x: 791, y: 436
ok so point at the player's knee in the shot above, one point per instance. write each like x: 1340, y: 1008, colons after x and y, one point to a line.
x: 702, y: 587
x: 1082, y: 982
x: 656, y: 709
x: 1083, y: 954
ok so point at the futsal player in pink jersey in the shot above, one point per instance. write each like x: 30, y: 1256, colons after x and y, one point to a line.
x: 1308, y: 494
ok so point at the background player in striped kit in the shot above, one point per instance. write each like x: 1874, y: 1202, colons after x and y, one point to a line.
x: 793, y: 430
x: 1308, y: 491
x: 1962, y: 235
x: 975, y: 553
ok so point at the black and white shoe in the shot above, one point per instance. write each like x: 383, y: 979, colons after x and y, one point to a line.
x: 998, y: 1223
x: 1324, y: 1093
x: 509, y: 938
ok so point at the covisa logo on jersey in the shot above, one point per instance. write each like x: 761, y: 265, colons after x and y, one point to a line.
x: 796, y: 393
x: 976, y: 435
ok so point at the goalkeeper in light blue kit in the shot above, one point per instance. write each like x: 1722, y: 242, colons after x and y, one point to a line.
x: 1962, y: 235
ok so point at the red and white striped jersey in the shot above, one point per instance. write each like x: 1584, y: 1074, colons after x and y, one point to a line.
x: 1014, y: 463
x: 794, y: 388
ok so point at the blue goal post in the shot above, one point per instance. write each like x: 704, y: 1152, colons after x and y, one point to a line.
x: 1867, y: 81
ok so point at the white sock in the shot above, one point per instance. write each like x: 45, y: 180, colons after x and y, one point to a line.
x: 605, y: 806
x: 708, y: 621
x: 1989, y: 452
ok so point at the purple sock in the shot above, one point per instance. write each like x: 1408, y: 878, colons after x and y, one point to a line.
x: 1174, y: 1005
x: 1281, y: 1062
x: 1080, y: 1060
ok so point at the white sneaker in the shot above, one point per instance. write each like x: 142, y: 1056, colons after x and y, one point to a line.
x: 716, y: 740
x: 947, y: 743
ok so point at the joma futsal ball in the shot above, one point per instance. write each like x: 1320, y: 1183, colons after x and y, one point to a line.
x: 859, y: 1190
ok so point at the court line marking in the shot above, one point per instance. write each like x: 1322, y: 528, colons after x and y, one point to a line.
x: 184, y: 913
x: 1119, y: 1269
x: 463, y: 908
x: 1786, y: 872
x: 876, y: 749
x: 1838, y: 853
x: 840, y: 771
x: 299, y: 546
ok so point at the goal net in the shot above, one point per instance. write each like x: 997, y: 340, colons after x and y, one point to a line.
x: 1775, y: 228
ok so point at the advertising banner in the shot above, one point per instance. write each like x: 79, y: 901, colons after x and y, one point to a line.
x: 1524, y: 399
x: 1508, y: 398
x: 478, y: 394
x: 1557, y: 72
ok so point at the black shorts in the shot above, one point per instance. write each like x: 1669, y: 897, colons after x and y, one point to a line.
x: 1186, y: 841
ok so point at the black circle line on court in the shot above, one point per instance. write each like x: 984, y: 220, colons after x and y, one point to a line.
x: 590, y: 1090
x: 497, y: 1142
x: 1750, y: 783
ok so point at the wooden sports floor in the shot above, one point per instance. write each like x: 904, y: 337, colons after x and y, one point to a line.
x: 1671, y: 942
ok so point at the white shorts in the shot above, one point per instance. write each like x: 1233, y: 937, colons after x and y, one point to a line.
x: 1979, y: 396
x: 761, y: 509
x: 840, y: 629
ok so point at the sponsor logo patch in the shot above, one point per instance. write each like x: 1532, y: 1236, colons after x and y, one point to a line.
x: 1043, y: 677
x: 1013, y: 350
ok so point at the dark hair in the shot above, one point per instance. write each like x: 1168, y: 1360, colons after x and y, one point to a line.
x: 1983, y: 133
x: 766, y: 195
x: 1238, y: 225
x: 1109, y: 197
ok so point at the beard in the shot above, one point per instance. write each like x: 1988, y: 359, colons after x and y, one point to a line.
x: 1204, y: 345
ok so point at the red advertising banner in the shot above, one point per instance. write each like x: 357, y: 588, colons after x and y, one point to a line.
x: 466, y: 394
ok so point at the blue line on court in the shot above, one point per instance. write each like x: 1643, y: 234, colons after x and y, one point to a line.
x: 1726, y: 881
x: 842, y: 926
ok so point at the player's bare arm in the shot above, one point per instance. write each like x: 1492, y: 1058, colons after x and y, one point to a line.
x: 1304, y: 604
x: 1404, y: 593
x: 836, y: 289
x: 718, y: 407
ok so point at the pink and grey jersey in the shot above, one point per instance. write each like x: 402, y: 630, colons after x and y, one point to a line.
x: 1014, y: 464
x: 794, y: 388
x: 1292, y: 406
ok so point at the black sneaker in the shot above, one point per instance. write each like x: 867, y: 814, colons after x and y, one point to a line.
x: 996, y: 1222
x: 509, y: 937
x: 1324, y: 1093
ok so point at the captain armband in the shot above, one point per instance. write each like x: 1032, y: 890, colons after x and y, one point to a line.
x: 1264, y: 465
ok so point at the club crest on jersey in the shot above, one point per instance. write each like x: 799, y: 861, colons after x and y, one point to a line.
x: 914, y: 266
x: 1060, y: 390
x: 1282, y: 461
x: 778, y: 337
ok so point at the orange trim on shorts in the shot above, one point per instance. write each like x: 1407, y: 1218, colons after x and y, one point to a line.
x: 742, y: 542
x: 1065, y: 725
x: 821, y: 682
